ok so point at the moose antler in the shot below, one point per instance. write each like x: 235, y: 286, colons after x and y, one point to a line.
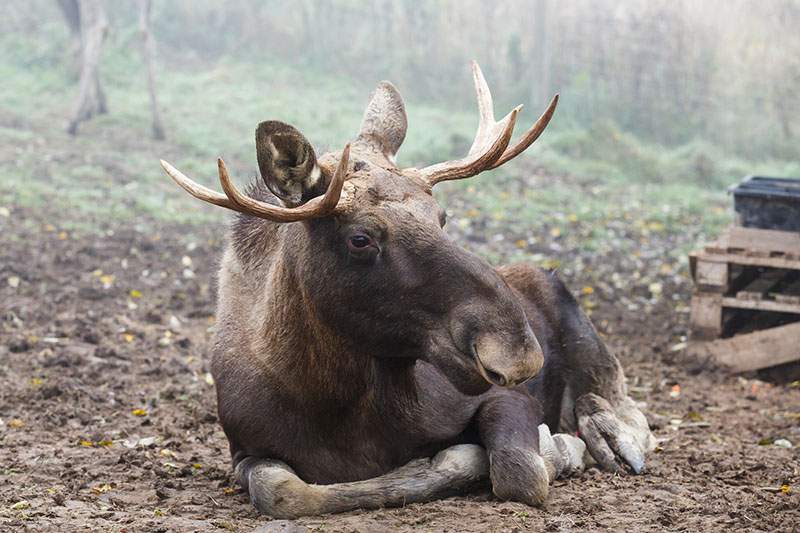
x: 234, y: 199
x: 490, y: 147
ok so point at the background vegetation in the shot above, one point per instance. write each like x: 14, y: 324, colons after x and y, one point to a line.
x: 663, y: 103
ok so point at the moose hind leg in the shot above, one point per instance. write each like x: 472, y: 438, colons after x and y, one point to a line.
x: 277, y: 491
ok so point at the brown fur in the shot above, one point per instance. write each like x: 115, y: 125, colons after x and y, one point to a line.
x: 349, y: 345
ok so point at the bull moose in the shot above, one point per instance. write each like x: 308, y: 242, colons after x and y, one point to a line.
x: 363, y: 359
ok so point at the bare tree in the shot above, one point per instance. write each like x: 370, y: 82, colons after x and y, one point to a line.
x: 72, y: 16
x: 541, y: 85
x: 148, y: 50
x: 91, y: 98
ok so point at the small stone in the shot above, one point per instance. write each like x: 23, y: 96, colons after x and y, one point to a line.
x: 13, y: 282
x: 782, y: 443
x: 19, y: 345
x: 188, y: 273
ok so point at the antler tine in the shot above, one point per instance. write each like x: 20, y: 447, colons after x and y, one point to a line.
x: 195, y: 189
x: 485, y: 103
x: 491, y: 139
x: 530, y: 136
x: 490, y: 147
x: 237, y: 201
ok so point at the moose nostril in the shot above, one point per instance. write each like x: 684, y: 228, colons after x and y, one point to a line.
x: 496, y: 378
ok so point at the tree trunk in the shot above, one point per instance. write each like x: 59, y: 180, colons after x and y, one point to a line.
x: 91, y: 99
x: 72, y: 16
x: 541, y: 85
x: 148, y: 50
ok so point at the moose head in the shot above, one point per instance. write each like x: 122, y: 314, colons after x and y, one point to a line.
x: 363, y: 247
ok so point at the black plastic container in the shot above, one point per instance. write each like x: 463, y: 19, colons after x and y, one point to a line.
x: 767, y: 203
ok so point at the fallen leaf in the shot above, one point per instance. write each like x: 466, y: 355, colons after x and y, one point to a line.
x: 587, y: 290
x: 4, y: 212
x: 129, y: 337
x: 135, y: 293
x: 16, y: 423
x: 101, y: 489
x: 20, y: 505
x: 655, y: 289
x: 13, y: 281
x: 139, y: 412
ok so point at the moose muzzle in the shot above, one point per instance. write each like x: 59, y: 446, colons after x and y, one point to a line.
x: 507, y: 364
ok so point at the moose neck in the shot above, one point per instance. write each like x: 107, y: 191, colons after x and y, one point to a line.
x: 316, y: 365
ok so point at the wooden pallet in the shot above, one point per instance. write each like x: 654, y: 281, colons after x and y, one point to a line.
x: 746, y: 270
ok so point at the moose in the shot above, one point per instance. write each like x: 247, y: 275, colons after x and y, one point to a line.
x: 363, y: 359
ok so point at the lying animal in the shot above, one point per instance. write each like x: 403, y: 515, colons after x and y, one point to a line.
x: 364, y: 359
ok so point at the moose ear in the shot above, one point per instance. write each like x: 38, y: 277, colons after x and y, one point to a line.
x: 288, y: 163
x: 384, y: 125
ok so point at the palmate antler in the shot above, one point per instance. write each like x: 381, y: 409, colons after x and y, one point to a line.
x: 490, y: 147
x: 234, y: 199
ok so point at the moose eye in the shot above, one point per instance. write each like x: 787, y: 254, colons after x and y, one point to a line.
x: 359, y: 241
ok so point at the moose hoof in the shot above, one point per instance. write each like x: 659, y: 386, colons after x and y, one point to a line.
x: 275, y: 490
x: 563, y: 454
x: 520, y: 475
x: 617, y: 436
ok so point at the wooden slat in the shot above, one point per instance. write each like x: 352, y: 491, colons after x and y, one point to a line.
x: 761, y: 305
x: 789, y: 290
x: 739, y: 259
x: 711, y: 276
x: 706, y: 316
x: 759, y: 240
x: 752, y: 351
x: 759, y: 288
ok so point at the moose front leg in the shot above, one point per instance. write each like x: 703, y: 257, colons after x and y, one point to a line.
x: 581, y: 380
x: 523, y: 456
x: 595, y: 399
x: 276, y: 490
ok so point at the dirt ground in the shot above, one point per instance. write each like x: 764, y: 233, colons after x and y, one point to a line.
x: 107, y: 410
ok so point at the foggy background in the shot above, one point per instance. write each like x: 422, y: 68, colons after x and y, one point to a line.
x: 652, y: 90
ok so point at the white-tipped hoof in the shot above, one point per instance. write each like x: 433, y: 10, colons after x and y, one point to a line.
x: 563, y: 454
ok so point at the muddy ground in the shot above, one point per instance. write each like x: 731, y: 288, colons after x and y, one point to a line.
x: 107, y: 410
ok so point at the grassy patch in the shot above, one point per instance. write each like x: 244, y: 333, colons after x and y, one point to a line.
x: 110, y: 170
